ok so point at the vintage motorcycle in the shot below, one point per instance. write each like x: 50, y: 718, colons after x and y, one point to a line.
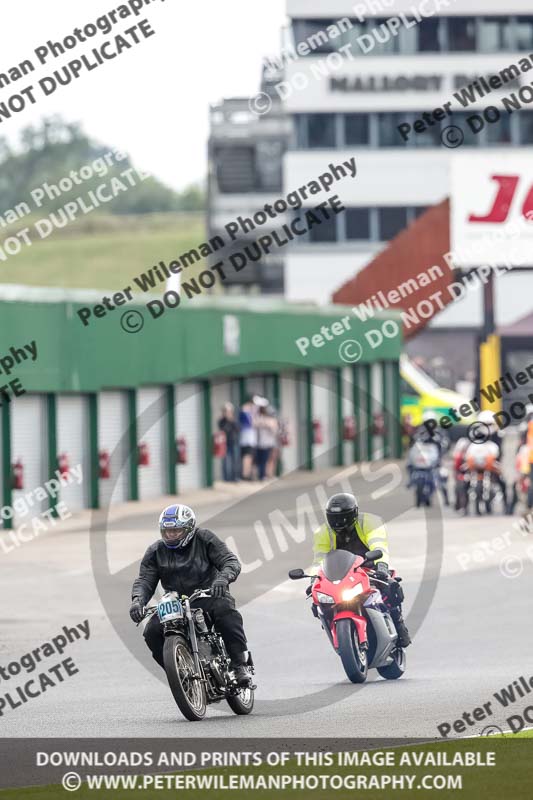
x: 423, y: 462
x: 354, y: 616
x: 483, y: 467
x: 197, y: 664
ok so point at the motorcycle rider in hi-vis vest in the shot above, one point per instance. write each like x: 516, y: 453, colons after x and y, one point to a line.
x: 348, y: 528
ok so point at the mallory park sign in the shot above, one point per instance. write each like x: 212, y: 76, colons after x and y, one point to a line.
x: 396, y: 83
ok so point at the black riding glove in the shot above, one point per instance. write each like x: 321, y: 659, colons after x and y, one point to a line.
x: 136, y: 610
x: 219, y: 587
x: 382, y: 571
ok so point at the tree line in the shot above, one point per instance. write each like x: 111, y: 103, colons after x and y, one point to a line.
x: 49, y: 150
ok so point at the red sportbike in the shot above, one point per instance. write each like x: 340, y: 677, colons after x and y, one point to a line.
x: 354, y: 616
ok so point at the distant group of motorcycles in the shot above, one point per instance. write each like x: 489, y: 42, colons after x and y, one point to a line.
x: 478, y: 477
x: 479, y: 485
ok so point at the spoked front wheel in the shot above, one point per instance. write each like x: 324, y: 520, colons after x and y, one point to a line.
x: 243, y: 702
x: 354, y: 659
x: 187, y: 689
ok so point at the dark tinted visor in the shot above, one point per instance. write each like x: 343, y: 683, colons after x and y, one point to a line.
x: 339, y: 520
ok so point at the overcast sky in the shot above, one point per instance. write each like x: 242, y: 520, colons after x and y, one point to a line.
x: 153, y: 100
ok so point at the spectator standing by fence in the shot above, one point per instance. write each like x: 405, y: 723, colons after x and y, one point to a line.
x: 231, y: 461
x: 267, y: 439
x: 247, y: 438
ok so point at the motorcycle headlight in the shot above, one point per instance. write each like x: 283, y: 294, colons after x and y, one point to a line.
x: 349, y: 594
x: 324, y: 598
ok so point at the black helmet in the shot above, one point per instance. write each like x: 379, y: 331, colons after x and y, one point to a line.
x: 342, y: 511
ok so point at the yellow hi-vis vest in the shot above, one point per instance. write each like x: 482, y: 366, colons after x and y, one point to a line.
x: 369, y: 529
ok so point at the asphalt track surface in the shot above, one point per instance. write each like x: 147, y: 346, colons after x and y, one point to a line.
x: 471, y: 627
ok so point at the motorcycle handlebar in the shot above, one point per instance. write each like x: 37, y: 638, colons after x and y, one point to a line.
x: 198, y: 593
x: 147, y: 610
x: 152, y: 609
x: 371, y: 574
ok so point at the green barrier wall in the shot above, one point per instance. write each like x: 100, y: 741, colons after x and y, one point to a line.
x: 184, y: 343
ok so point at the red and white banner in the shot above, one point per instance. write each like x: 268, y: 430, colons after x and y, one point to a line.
x: 492, y: 208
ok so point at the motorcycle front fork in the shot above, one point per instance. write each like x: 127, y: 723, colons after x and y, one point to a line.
x: 194, y: 641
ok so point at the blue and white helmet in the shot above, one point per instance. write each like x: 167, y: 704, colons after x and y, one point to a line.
x: 177, y: 525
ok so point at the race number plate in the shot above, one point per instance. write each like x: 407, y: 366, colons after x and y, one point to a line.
x: 420, y: 475
x: 169, y: 608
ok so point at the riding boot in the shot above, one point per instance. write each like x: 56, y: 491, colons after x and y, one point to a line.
x: 401, y: 628
x: 239, y: 665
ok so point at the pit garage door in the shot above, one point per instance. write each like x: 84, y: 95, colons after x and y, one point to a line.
x: 188, y: 415
x: 377, y: 407
x: 73, y: 440
x: 324, y: 407
x: 302, y: 428
x: 113, y: 422
x: 362, y: 373
x: 221, y: 392
x: 152, y: 431
x: 289, y: 420
x: 256, y: 384
x: 347, y: 411
x: 29, y: 444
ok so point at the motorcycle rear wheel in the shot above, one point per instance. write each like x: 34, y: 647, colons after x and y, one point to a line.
x: 395, y: 670
x: 353, y: 659
x: 241, y: 703
x: 189, y: 693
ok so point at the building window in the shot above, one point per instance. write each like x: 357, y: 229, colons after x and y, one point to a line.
x: 482, y: 34
x: 385, y: 41
x: 391, y: 222
x: 362, y: 224
x: 313, y: 33
x: 315, y: 131
x: 428, y: 35
x: 499, y: 132
x: 325, y: 232
x: 357, y: 224
x: 356, y: 129
x: 235, y: 169
x: 526, y: 127
x: 459, y: 118
x: 428, y: 138
x: 321, y: 130
x: 388, y: 135
x: 350, y: 36
x: 462, y: 34
x: 300, y: 130
x: 524, y: 33
x: 494, y: 34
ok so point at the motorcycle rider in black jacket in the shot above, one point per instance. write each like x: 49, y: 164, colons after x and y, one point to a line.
x: 185, y: 559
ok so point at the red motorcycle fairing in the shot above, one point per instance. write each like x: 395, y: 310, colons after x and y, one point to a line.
x: 341, y: 571
x: 359, y: 622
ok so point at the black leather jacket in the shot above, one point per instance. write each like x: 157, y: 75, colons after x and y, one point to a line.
x: 185, y: 570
